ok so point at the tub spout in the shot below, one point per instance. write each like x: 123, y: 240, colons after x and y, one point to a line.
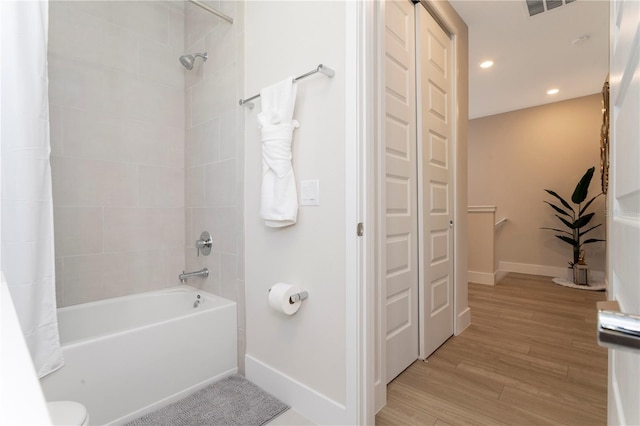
x: 184, y: 276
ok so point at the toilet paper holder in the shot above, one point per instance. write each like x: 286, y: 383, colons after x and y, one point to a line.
x: 298, y: 297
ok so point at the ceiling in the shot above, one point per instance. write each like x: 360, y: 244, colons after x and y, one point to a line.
x: 533, y: 54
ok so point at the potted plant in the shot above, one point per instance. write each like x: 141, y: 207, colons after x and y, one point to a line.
x: 575, y: 218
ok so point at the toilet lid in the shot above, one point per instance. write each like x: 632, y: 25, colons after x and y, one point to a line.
x: 67, y: 412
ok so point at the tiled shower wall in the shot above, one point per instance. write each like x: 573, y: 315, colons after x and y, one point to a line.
x: 145, y: 154
x: 117, y: 135
x: 214, y: 152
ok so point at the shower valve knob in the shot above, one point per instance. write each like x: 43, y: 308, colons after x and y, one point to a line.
x: 204, y: 244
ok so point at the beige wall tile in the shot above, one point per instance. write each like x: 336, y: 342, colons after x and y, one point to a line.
x: 221, y: 223
x: 59, y: 282
x: 203, y: 143
x: 220, y: 183
x: 198, y: 23
x: 80, y: 182
x: 78, y: 230
x: 156, y: 145
x: 176, y: 24
x: 188, y: 221
x: 221, y: 42
x: 229, y: 141
x: 195, y: 186
x: 161, y: 187
x: 83, y: 279
x: 149, y: 19
x: 160, y: 63
x: 55, y: 129
x: 132, y: 229
x: 214, y: 96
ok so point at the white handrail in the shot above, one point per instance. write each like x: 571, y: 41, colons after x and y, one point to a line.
x: 501, y: 222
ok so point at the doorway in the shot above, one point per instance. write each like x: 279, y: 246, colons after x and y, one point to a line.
x: 419, y: 214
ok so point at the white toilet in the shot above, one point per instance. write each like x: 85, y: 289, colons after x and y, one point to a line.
x: 68, y: 413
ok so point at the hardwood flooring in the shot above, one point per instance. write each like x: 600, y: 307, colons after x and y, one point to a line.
x: 530, y: 357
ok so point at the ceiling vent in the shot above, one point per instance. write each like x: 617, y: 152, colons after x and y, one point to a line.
x: 536, y: 7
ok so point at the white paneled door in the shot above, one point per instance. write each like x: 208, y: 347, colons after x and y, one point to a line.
x: 401, y: 298
x: 435, y: 181
x: 624, y: 202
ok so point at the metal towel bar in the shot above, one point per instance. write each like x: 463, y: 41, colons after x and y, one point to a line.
x: 319, y: 69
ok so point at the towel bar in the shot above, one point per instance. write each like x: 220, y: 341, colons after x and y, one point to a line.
x: 319, y: 69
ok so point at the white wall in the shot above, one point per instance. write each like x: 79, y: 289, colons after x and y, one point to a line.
x: 307, y: 350
x: 117, y: 136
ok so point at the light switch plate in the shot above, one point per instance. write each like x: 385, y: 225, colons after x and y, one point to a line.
x: 310, y: 192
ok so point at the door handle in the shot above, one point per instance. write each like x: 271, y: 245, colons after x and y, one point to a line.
x: 617, y: 330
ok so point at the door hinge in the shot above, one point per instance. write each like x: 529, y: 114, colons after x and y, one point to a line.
x: 360, y: 229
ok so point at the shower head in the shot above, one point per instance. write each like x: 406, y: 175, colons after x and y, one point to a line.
x: 188, y: 60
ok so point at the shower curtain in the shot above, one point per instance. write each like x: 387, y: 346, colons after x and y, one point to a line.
x: 26, y: 213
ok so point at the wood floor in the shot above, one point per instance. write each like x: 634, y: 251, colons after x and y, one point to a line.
x: 530, y: 357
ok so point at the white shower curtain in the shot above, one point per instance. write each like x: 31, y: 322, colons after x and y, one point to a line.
x: 26, y: 221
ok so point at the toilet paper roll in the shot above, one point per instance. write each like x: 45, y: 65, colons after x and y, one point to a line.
x: 279, y: 298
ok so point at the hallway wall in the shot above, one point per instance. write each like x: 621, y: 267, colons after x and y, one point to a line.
x: 514, y: 156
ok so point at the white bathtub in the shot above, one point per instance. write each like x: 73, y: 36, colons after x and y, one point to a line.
x: 127, y: 356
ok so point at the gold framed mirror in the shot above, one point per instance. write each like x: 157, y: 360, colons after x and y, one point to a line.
x: 604, y: 138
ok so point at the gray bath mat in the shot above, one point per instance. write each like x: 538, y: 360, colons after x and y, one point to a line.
x: 230, y: 401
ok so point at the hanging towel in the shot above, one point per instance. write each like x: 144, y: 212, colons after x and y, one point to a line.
x: 279, y: 199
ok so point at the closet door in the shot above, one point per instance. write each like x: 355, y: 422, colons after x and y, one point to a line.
x: 401, y: 298
x: 435, y: 179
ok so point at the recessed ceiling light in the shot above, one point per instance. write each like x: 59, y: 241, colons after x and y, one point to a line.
x: 486, y: 64
x: 552, y: 91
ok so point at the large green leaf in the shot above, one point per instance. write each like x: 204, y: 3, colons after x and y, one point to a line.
x: 564, y: 203
x: 558, y: 230
x: 592, y: 240
x: 590, y: 229
x: 566, y: 222
x: 583, y: 221
x: 558, y: 209
x: 586, y: 206
x: 582, y: 188
x: 568, y: 240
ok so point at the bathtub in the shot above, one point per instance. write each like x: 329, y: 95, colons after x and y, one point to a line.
x: 127, y: 356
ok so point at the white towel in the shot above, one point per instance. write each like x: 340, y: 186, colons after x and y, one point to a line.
x: 279, y: 205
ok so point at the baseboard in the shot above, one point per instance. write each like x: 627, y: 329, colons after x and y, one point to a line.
x: 500, y: 275
x: 615, y: 410
x: 481, y: 277
x: 528, y: 268
x: 316, y: 407
x: 543, y: 270
x: 464, y: 320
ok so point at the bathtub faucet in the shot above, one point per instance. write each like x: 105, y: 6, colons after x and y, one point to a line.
x: 184, y: 276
